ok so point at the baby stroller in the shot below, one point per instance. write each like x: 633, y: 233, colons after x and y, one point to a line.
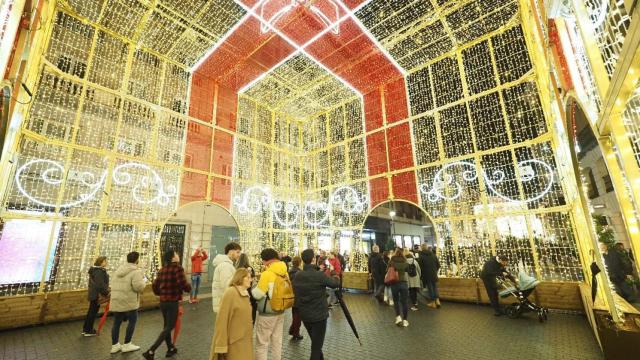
x: 521, y: 292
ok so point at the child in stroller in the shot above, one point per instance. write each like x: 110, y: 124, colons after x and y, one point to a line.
x: 521, y: 291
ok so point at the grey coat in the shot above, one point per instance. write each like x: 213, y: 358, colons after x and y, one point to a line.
x: 414, y: 281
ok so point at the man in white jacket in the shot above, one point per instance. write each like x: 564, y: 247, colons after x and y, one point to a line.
x: 223, y: 272
x: 126, y: 288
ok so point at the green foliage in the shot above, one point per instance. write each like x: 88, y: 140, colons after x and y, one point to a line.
x: 604, y: 232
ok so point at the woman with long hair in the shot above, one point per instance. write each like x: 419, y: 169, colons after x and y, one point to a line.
x: 233, y: 331
x: 400, y: 290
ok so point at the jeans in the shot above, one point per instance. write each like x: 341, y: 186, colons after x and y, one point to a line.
x: 94, y: 306
x: 170, y: 316
x: 400, y: 293
x: 387, y: 292
x: 195, y: 284
x: 413, y: 294
x: 118, y: 317
x: 332, y: 296
x: 378, y: 289
x: 432, y: 286
x: 316, y: 332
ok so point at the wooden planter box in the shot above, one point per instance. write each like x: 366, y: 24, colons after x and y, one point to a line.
x: 355, y: 280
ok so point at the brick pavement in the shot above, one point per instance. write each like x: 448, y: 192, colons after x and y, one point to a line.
x: 457, y: 331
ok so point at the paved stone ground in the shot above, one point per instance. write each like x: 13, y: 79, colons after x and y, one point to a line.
x: 457, y: 331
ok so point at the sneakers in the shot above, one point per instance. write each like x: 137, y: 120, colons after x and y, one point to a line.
x: 130, y: 347
x: 432, y: 305
x: 414, y: 308
x: 405, y: 323
x: 171, y: 352
x: 398, y: 320
x: 90, y: 333
x: 438, y: 302
x: 297, y: 337
x: 115, y: 348
x: 148, y: 355
x: 386, y: 299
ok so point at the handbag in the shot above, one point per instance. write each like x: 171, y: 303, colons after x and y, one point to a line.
x: 392, y: 276
x: 103, y: 299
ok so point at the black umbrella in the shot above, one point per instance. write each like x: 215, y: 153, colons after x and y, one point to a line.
x: 347, y: 314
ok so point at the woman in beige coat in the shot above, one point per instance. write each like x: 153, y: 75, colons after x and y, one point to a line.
x: 233, y: 332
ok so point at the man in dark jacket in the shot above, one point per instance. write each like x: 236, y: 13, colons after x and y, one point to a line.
x: 309, y: 287
x: 377, y: 270
x: 492, y: 270
x: 616, y: 271
x: 429, y: 266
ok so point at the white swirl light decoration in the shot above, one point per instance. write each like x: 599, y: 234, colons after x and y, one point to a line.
x: 88, y: 179
x: 244, y: 202
x: 443, y: 180
x: 289, y: 207
x: 351, y: 203
x: 527, y: 173
x: 315, y: 207
x: 598, y: 16
x: 314, y: 213
x: 162, y: 197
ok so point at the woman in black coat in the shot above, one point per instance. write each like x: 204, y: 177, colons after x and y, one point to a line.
x: 98, y: 285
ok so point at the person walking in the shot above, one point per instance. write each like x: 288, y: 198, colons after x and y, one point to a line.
x: 388, y: 298
x: 198, y: 257
x: 335, y: 264
x: 294, y: 329
x: 98, y: 293
x: 126, y: 288
x: 400, y: 290
x: 169, y: 285
x: 223, y: 272
x: 493, y: 269
x: 270, y: 322
x: 377, y: 269
x: 233, y: 330
x: 414, y: 274
x: 309, y: 288
x: 243, y: 263
x: 430, y: 265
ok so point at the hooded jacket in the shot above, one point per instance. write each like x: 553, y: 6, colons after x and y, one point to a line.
x: 265, y: 286
x: 414, y: 281
x: 222, y: 274
x: 127, y: 285
x: 98, y: 282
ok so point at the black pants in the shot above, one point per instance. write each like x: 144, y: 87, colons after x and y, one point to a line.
x: 400, y: 293
x: 170, y: 315
x: 316, y: 332
x: 91, y: 316
x: 413, y: 294
x: 118, y: 318
x: 492, y: 292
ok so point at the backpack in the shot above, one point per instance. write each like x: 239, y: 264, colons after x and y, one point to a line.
x: 282, y: 297
x: 411, y: 269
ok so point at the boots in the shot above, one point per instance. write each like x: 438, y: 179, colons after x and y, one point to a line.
x: 438, y: 302
x: 432, y: 305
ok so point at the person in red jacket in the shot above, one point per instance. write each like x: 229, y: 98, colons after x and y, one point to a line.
x: 196, y: 272
x: 169, y: 285
x: 334, y: 265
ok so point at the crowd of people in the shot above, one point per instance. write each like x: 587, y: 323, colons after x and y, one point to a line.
x: 244, y: 305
